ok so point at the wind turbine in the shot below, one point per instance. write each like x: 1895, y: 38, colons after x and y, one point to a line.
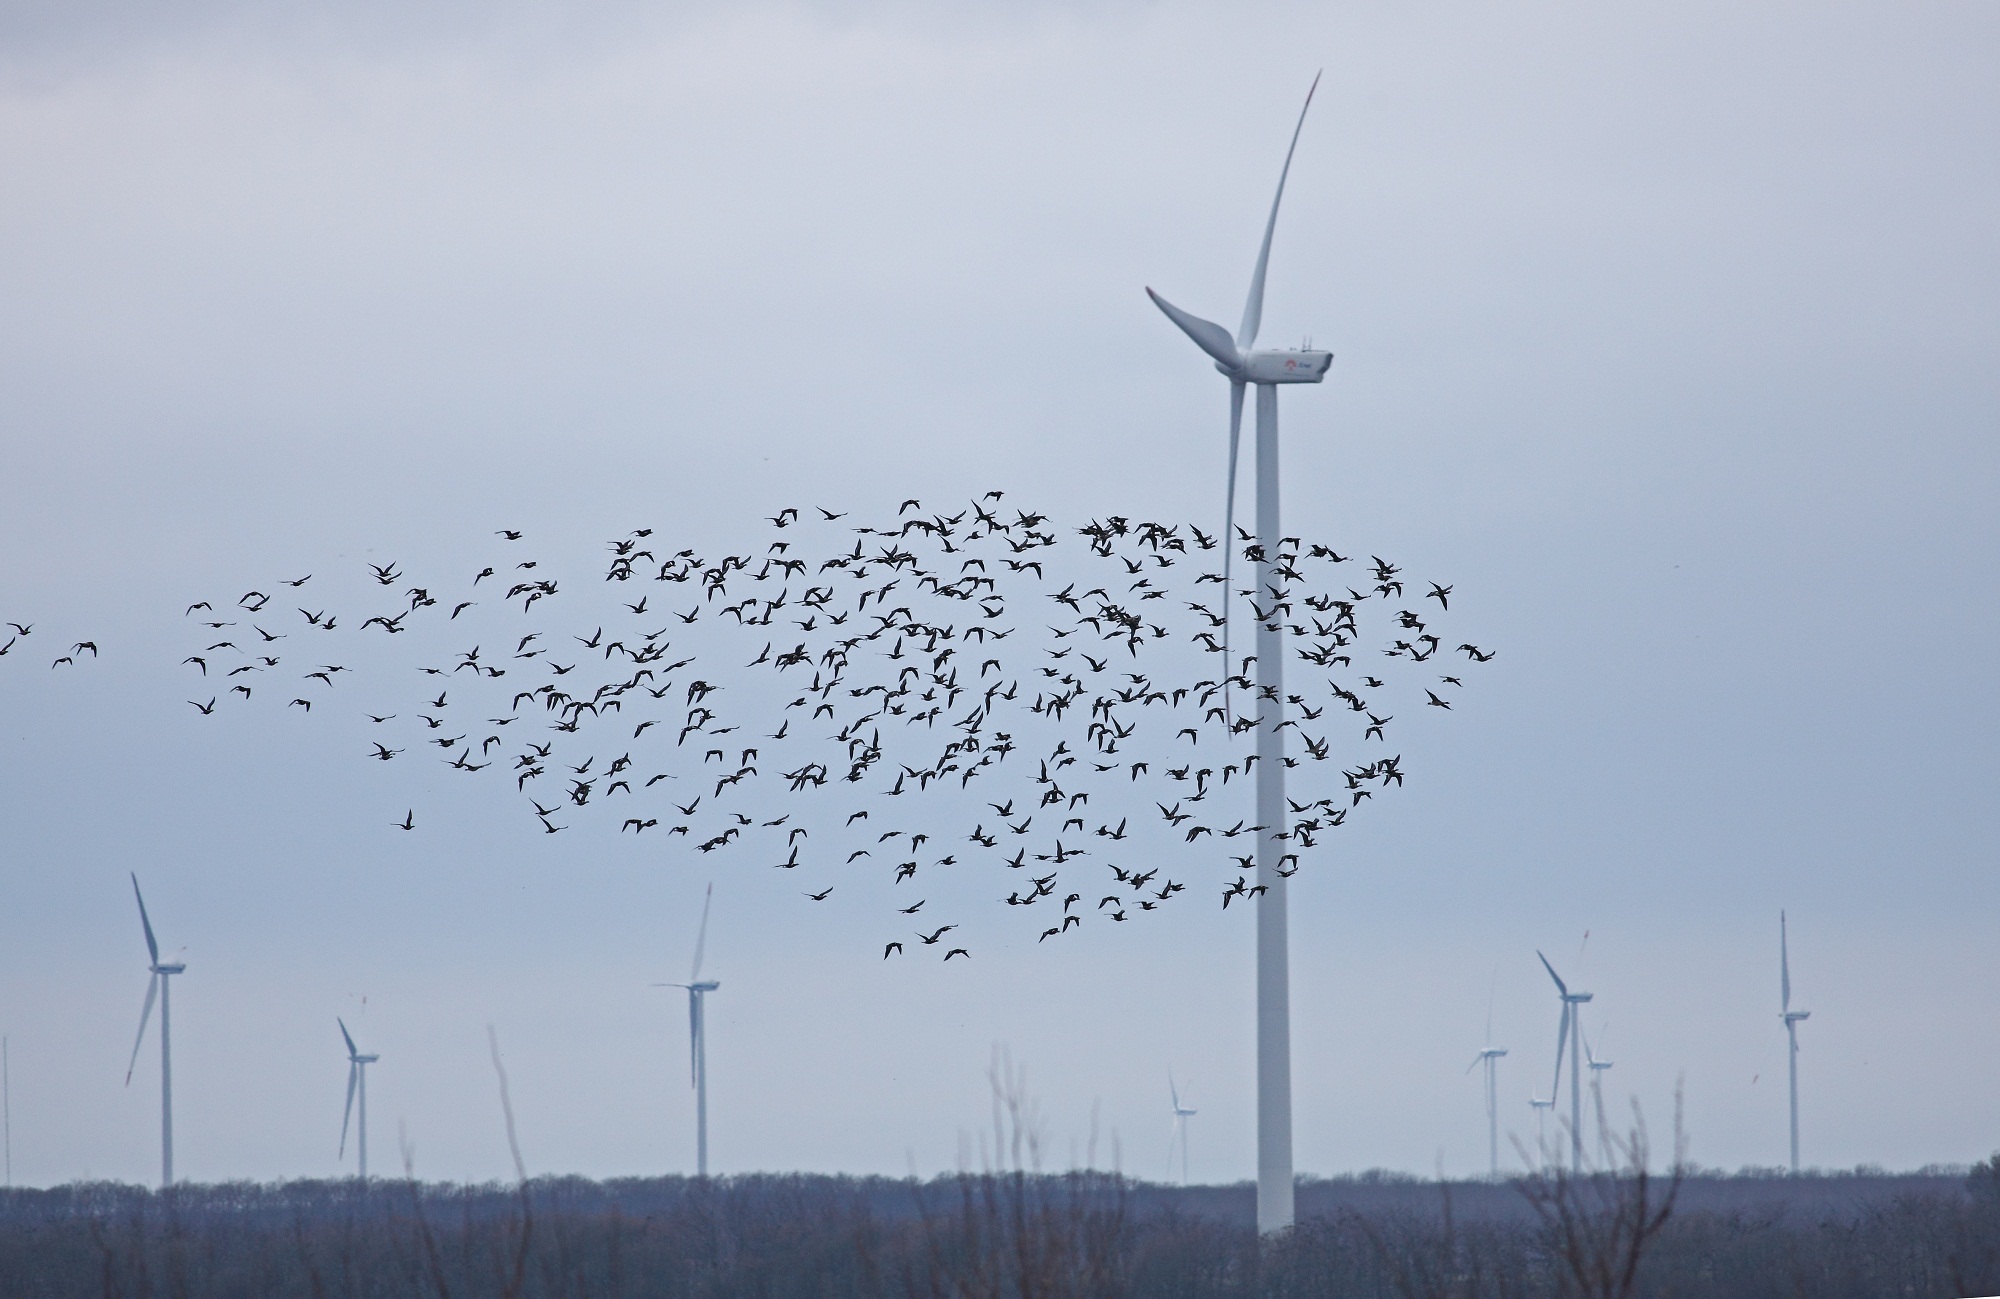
x: 1242, y: 365
x: 1490, y: 1058
x: 1571, y: 1032
x: 156, y: 987
x: 1597, y: 1068
x: 1791, y: 1018
x: 697, y: 988
x: 1542, y: 1108
x: 357, y: 1081
x: 1180, y: 1131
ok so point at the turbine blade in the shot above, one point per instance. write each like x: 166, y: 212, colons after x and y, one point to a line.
x: 1561, y: 987
x: 351, y: 1050
x: 1207, y: 335
x: 1173, y: 1091
x: 701, y: 935
x: 145, y: 1015
x: 353, y: 1077
x: 152, y: 948
x: 1253, y: 310
x: 1784, y: 965
x: 1562, y: 1040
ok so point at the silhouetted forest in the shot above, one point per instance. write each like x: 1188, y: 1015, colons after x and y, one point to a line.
x: 1014, y: 1233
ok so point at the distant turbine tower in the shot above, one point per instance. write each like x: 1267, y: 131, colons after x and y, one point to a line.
x: 357, y: 1081
x: 1490, y: 1058
x: 157, y: 987
x: 698, y: 1037
x: 1180, y: 1130
x: 1791, y: 1018
x: 1571, y: 1032
x: 1266, y: 369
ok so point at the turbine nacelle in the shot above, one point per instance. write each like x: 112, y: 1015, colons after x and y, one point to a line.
x: 175, y: 968
x: 707, y: 985
x: 1794, y: 1016
x: 1302, y: 365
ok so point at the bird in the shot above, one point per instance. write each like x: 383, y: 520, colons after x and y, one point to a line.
x: 409, y: 821
x: 891, y: 948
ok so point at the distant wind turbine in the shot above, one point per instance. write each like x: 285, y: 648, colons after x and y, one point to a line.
x: 357, y: 1083
x: 1241, y: 365
x: 1182, y: 1114
x: 1791, y: 1018
x: 1597, y: 1068
x: 1542, y: 1108
x: 156, y: 987
x: 697, y: 989
x: 1570, y: 1033
x: 1490, y: 1058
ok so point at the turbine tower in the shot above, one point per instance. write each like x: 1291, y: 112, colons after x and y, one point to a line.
x: 1266, y: 369
x: 1180, y: 1130
x: 156, y: 987
x: 1570, y: 1033
x: 697, y: 989
x: 1490, y: 1058
x: 1791, y: 1018
x: 357, y: 1082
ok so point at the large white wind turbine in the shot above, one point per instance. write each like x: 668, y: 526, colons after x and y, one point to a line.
x: 1791, y: 1018
x: 1570, y: 1033
x: 1182, y: 1114
x: 1490, y: 1057
x: 357, y: 1082
x: 697, y: 989
x: 1241, y: 364
x: 156, y: 988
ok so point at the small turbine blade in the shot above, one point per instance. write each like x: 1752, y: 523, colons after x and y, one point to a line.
x: 701, y: 935
x: 1784, y: 966
x: 152, y: 948
x: 353, y: 1077
x: 1229, y: 515
x: 145, y: 1015
x: 352, y: 1051
x: 1253, y: 310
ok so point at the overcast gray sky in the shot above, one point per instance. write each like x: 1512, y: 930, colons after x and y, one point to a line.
x: 1665, y: 333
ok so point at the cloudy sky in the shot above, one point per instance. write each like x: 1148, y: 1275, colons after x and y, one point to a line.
x: 1664, y: 333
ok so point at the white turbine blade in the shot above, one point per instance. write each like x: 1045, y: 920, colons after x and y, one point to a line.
x: 152, y: 992
x: 1253, y: 310
x: 1475, y: 1062
x: 1207, y: 335
x: 1561, y: 987
x: 353, y: 1077
x: 701, y: 935
x: 152, y: 948
x: 1784, y: 965
x: 1173, y: 1091
x: 352, y: 1051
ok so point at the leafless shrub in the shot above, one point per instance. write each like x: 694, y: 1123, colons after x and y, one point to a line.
x: 1598, y: 1221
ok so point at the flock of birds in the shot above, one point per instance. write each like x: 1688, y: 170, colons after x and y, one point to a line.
x: 1066, y: 702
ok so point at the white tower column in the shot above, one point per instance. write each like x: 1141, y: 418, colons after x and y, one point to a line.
x: 700, y: 1086
x: 362, y: 1079
x: 1274, y: 1007
x: 166, y: 1087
